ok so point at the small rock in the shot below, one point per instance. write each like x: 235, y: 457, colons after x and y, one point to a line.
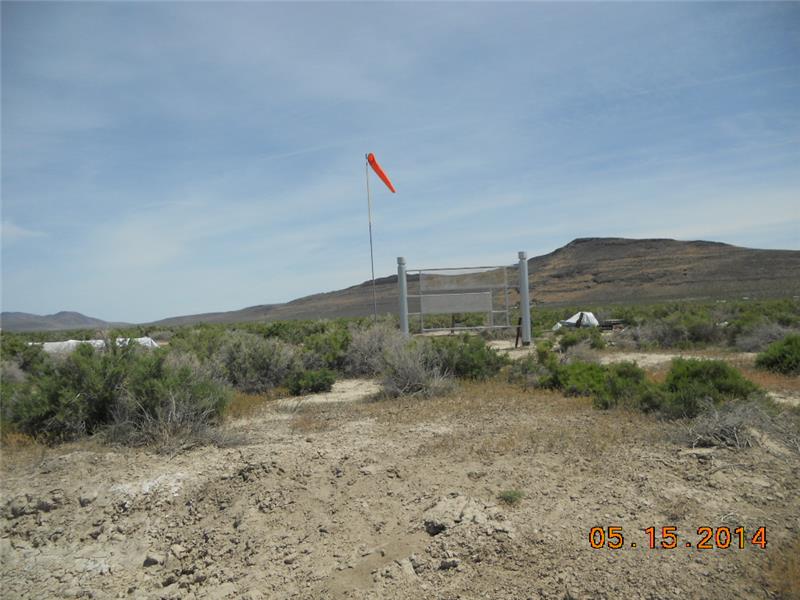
x: 45, y: 504
x: 449, y: 563
x: 17, y: 507
x: 407, y: 568
x: 87, y: 499
x: 154, y: 559
x: 177, y: 550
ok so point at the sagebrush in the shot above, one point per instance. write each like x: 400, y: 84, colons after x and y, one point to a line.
x: 782, y: 356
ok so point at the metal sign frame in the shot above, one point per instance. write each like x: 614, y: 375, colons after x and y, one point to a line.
x: 466, y: 298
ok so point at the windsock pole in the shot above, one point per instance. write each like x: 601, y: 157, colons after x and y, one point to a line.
x: 371, y: 256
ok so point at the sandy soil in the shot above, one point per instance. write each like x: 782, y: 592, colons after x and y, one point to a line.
x: 399, y: 499
x: 657, y: 359
x: 643, y: 359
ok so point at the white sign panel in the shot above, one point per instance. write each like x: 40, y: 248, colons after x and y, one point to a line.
x: 437, y: 304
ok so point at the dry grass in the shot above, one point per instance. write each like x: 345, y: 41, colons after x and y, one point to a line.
x: 13, y: 440
x: 774, y: 382
x: 470, y: 400
x: 783, y: 575
x: 21, y: 452
x: 656, y: 374
x: 492, y: 418
x: 313, y: 419
x: 245, y: 405
x: 731, y: 425
x: 20, y: 449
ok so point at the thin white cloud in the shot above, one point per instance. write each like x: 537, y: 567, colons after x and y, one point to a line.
x: 12, y: 233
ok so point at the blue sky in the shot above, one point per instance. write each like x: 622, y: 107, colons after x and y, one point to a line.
x: 170, y: 158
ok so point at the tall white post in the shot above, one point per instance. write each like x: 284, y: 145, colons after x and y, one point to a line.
x: 524, y: 299
x: 371, y: 258
x: 402, y: 286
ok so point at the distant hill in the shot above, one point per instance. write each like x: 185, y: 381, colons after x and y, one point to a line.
x: 252, y: 313
x: 585, y: 271
x: 20, y: 321
x: 607, y: 270
x: 588, y: 271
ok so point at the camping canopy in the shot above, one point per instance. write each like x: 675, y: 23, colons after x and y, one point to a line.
x: 579, y: 319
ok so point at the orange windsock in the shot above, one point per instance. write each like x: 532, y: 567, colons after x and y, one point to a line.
x: 379, y: 172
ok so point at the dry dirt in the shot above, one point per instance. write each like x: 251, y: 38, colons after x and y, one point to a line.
x: 399, y: 499
x: 643, y: 359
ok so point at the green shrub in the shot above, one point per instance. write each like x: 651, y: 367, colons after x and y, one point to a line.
x: 545, y: 354
x: 129, y: 388
x: 760, y: 336
x: 15, y: 348
x: 526, y: 372
x: 204, y: 341
x: 691, y: 382
x: 365, y: 354
x: 168, y: 399
x: 653, y: 398
x: 597, y: 341
x: 622, y: 383
x: 625, y: 385
x: 467, y: 357
x: 690, y: 386
x: 311, y: 382
x: 782, y: 357
x: 511, y: 497
x: 254, y: 364
x: 573, y: 337
x: 448, y: 321
x: 748, y: 324
x: 662, y: 334
x: 413, y: 369
x: 11, y: 373
x: 330, y: 346
x: 577, y: 379
x: 75, y: 396
x: 292, y: 332
x: 702, y: 332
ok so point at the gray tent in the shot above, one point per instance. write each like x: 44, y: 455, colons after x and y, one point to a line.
x: 579, y: 319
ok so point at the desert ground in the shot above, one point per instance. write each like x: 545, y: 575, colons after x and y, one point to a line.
x: 347, y: 495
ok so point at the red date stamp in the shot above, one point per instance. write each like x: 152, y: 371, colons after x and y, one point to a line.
x: 707, y: 538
